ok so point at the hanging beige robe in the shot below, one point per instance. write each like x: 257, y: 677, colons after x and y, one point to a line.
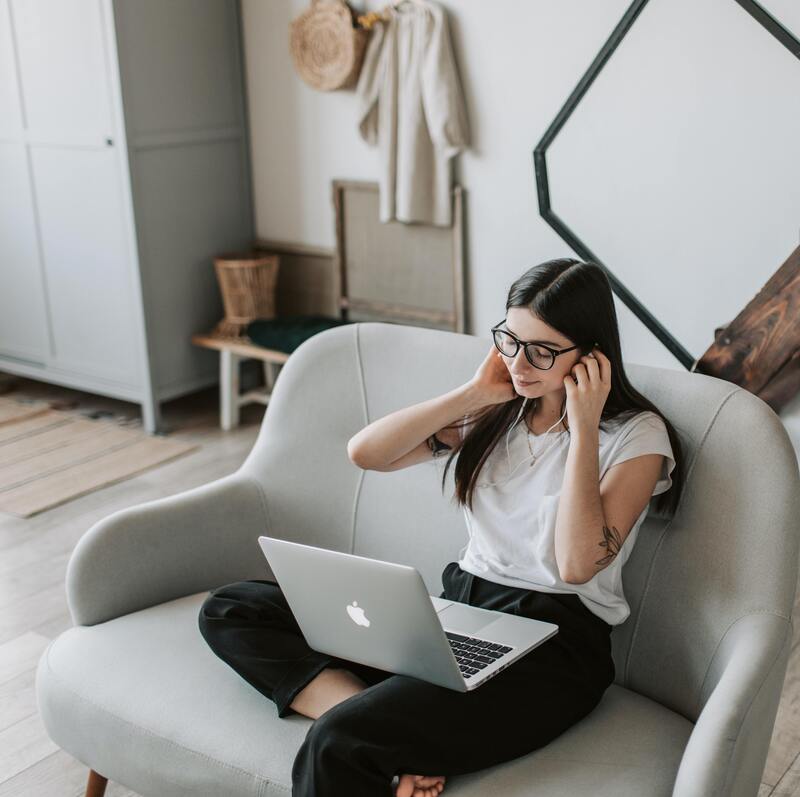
x: 410, y: 104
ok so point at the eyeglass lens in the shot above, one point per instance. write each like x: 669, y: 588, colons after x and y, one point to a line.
x: 538, y: 357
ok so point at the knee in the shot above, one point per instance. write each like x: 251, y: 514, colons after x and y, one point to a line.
x: 207, y: 611
x: 234, y: 604
x: 219, y: 604
x: 330, y: 734
x: 348, y: 718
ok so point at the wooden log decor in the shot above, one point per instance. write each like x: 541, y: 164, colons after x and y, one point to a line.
x: 760, y: 348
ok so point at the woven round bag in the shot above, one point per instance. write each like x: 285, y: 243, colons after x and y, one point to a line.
x: 327, y: 48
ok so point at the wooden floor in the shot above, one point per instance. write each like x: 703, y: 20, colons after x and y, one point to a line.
x: 33, y: 560
x: 33, y: 610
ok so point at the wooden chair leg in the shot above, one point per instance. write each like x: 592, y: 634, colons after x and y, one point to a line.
x: 96, y: 785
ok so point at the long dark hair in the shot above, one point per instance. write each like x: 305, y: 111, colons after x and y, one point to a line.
x: 574, y: 298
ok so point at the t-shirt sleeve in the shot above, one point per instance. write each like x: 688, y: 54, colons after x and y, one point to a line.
x: 647, y: 434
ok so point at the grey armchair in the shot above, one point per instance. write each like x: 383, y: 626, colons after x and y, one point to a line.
x: 133, y: 691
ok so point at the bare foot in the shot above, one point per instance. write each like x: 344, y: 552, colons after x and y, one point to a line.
x: 333, y: 685
x: 420, y: 785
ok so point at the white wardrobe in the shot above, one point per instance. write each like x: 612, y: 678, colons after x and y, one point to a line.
x: 124, y: 169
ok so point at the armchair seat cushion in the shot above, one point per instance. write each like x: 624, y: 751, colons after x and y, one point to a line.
x: 143, y: 697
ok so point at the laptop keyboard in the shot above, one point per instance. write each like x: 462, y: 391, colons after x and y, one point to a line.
x: 473, y: 654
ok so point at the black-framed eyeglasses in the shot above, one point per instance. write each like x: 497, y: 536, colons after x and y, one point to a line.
x: 538, y: 354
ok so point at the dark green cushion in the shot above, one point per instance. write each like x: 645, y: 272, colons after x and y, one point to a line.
x: 287, y: 333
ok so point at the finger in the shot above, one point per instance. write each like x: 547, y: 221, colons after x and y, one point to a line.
x: 605, y: 366
x: 592, y: 366
x: 582, y: 377
x: 593, y: 369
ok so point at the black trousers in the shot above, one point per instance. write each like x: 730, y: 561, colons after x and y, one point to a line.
x: 400, y: 724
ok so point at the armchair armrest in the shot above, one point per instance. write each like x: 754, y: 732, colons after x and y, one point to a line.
x: 168, y: 548
x: 728, y: 747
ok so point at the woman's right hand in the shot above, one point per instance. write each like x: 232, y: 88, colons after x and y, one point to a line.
x: 492, y: 382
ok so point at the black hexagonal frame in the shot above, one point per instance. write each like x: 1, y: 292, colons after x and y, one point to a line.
x: 758, y: 13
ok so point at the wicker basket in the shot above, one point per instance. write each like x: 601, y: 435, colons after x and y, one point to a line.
x: 247, y: 282
x: 326, y: 47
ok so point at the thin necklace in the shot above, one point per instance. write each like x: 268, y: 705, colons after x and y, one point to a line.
x: 528, y: 438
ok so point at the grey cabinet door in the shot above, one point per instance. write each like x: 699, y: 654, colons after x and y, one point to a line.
x: 63, y: 68
x: 23, y: 322
x: 86, y: 259
x: 76, y: 173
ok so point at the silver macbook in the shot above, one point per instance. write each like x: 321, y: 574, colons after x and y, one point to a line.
x: 380, y: 614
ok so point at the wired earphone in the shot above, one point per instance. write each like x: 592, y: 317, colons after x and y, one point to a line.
x: 525, y: 459
x: 531, y: 455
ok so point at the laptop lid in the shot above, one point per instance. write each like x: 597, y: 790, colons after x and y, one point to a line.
x: 365, y: 610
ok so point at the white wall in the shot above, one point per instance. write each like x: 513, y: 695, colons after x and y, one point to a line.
x: 680, y: 169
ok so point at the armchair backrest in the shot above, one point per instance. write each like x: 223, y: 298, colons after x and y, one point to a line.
x: 730, y: 549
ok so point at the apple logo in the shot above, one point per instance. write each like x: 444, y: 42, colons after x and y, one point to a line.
x: 357, y: 614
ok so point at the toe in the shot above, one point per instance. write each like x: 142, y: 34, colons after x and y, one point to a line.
x: 405, y: 787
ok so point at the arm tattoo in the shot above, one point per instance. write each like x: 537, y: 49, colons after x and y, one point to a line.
x: 437, y: 446
x: 611, y: 542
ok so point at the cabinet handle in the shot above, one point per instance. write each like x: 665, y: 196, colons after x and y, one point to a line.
x: 110, y: 142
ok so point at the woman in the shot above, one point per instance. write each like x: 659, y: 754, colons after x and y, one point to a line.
x: 551, y: 516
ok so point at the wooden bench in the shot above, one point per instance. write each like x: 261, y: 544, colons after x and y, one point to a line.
x: 270, y: 340
x: 232, y: 352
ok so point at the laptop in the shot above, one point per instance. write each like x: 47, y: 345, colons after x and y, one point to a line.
x: 380, y: 614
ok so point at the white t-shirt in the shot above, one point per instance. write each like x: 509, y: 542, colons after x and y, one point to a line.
x: 512, y: 525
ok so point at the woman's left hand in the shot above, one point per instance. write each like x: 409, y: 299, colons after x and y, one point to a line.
x: 588, y: 385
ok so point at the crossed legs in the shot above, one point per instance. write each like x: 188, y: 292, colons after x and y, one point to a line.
x: 394, y: 724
